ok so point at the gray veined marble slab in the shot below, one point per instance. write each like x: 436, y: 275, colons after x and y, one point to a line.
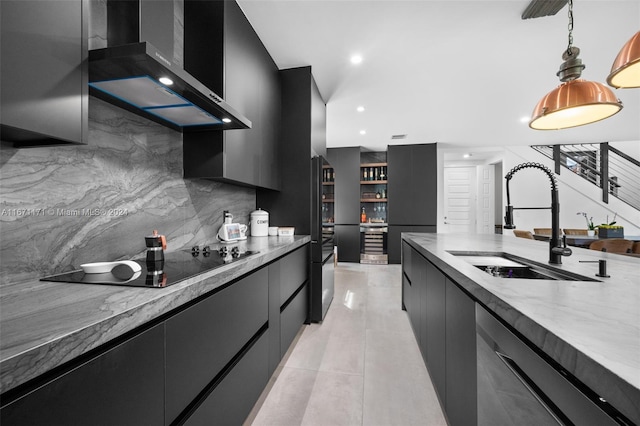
x: 45, y: 324
x: 592, y: 329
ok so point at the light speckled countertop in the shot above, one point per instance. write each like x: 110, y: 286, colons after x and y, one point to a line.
x: 591, y: 328
x: 44, y: 324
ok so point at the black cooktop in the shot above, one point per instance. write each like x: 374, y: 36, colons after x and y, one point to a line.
x: 177, y: 266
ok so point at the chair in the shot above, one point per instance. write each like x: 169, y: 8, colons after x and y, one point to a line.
x: 575, y: 231
x: 542, y: 231
x: 612, y: 245
x: 523, y: 234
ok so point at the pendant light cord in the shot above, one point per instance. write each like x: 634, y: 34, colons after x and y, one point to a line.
x: 570, y: 27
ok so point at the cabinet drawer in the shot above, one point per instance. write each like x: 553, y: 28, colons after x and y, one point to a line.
x: 201, y: 340
x: 292, y: 318
x: 123, y: 386
x: 234, y: 397
x: 294, y: 271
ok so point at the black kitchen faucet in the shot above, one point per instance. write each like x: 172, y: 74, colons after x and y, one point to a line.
x: 556, y: 250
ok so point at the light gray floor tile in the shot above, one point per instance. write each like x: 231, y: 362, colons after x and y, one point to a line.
x: 288, y: 399
x: 384, y: 311
x: 336, y: 400
x: 397, y: 387
x: 360, y: 366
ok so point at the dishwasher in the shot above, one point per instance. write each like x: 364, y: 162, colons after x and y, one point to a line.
x: 516, y: 385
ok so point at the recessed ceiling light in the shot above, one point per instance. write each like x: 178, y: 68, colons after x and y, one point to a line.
x: 166, y: 80
x: 226, y: 120
x: 363, y: 132
x: 356, y: 59
x: 360, y: 109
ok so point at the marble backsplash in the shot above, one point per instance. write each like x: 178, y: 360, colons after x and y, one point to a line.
x: 67, y: 205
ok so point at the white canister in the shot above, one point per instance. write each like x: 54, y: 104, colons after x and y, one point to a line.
x: 259, y: 223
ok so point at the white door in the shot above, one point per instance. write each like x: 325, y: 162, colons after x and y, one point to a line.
x: 460, y: 199
x: 486, y: 190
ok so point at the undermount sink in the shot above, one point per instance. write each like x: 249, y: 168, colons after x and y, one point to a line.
x: 505, y: 265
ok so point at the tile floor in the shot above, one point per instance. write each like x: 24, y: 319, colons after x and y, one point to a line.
x: 361, y: 366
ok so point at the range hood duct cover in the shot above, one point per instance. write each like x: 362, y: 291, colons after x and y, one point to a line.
x: 128, y: 76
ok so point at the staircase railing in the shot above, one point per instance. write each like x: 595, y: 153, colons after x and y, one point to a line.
x: 615, y: 172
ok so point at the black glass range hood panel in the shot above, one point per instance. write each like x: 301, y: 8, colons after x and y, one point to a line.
x: 128, y: 76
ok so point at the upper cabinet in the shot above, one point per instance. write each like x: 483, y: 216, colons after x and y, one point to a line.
x: 43, y: 72
x: 247, y: 78
x: 412, y: 187
x: 302, y: 137
x: 346, y: 162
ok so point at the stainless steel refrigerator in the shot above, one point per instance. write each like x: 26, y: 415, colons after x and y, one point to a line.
x: 322, y: 241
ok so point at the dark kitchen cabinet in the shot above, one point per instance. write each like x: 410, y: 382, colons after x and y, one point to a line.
x: 205, y: 362
x: 122, y: 386
x: 275, y: 272
x: 43, y: 72
x: 288, y: 301
x: 412, y: 192
x: 233, y: 398
x: 202, y: 339
x: 347, y: 239
x: 435, y: 328
x: 394, y: 238
x: 346, y: 163
x: 294, y: 315
x: 442, y: 316
x: 414, y: 267
x: 294, y: 272
x: 303, y: 137
x: 237, y: 66
x: 412, y: 186
x: 461, y: 364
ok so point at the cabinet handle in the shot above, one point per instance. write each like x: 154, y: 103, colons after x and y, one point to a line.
x: 531, y: 386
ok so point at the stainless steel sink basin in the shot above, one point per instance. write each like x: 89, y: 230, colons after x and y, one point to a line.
x: 506, y: 265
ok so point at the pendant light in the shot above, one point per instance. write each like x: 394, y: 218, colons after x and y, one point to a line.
x: 625, y: 71
x: 576, y: 101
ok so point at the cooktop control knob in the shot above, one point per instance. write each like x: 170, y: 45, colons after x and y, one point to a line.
x: 223, y: 251
x: 206, y: 251
x: 235, y: 252
x: 195, y: 251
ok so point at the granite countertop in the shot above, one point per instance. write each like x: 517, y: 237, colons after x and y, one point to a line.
x: 44, y: 324
x: 591, y: 328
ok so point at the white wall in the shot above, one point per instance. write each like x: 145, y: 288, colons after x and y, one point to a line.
x: 532, y: 188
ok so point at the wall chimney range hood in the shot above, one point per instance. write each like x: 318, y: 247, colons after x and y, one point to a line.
x: 130, y: 76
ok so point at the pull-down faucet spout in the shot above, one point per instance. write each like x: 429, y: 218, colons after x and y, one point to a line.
x: 556, y: 250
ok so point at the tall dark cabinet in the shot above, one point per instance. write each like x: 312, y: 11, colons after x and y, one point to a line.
x: 43, y: 72
x: 223, y: 51
x: 346, y: 163
x: 303, y: 136
x: 412, y: 192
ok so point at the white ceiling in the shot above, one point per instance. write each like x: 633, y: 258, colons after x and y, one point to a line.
x: 461, y: 73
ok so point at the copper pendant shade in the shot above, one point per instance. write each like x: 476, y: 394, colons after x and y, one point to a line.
x: 574, y: 103
x: 625, y: 71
